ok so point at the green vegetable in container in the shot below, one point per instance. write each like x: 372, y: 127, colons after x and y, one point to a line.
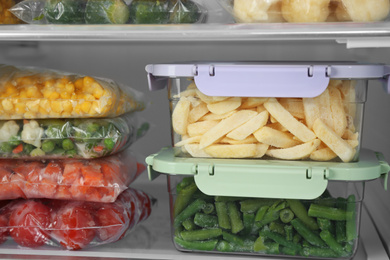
x: 185, y: 11
x: 64, y: 11
x: 149, y: 11
x: 106, y: 12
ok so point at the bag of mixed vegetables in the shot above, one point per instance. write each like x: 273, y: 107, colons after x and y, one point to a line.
x: 108, y: 11
x: 69, y: 138
x: 98, y: 180
x: 35, y: 93
x: 73, y: 225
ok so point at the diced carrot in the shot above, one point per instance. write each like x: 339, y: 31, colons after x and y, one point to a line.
x: 63, y: 192
x: 52, y: 172
x: 18, y: 149
x: 72, y: 172
x: 98, y: 148
x: 47, y: 188
x: 92, y: 175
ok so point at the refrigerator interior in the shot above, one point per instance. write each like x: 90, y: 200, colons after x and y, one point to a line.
x: 111, y: 53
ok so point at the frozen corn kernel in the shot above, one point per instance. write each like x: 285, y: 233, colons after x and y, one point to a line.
x: 301, y: 11
x: 367, y: 10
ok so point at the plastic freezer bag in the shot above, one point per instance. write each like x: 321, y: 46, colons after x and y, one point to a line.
x: 307, y: 11
x: 98, y: 180
x: 73, y: 225
x: 69, y: 138
x: 36, y: 93
x: 6, y: 17
x: 109, y: 11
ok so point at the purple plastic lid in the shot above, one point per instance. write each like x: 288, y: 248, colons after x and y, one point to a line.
x: 249, y: 79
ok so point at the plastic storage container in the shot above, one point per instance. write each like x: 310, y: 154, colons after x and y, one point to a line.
x: 265, y: 208
x: 69, y: 138
x: 290, y: 111
x: 307, y: 11
x: 109, y: 12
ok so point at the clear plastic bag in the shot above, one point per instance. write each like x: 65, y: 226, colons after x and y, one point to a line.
x: 73, y: 225
x: 37, y: 93
x: 109, y: 12
x: 307, y: 11
x: 69, y: 138
x: 6, y: 17
x: 98, y: 180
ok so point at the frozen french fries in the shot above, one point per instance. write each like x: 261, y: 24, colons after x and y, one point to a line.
x: 33, y: 93
x: 320, y: 128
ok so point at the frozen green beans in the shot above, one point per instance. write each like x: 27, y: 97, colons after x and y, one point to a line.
x: 264, y: 226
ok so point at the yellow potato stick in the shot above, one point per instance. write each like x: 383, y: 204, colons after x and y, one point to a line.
x: 335, y: 82
x: 297, y: 152
x: 197, y: 112
x: 288, y: 121
x: 192, y: 85
x: 270, y: 136
x: 194, y: 101
x: 273, y: 120
x: 219, y: 99
x: 311, y: 108
x: 225, y: 126
x: 190, y: 140
x: 338, y: 113
x: 201, y: 127
x: 333, y: 141
x: 323, y: 155
x: 349, y: 135
x: 203, y: 97
x: 249, y: 127
x: 350, y: 123
x: 277, y: 126
x: 260, y: 109
x: 225, y: 106
x: 325, y: 110
x: 194, y: 151
x: 353, y: 143
x: 211, y: 116
x: 249, y: 140
x: 261, y: 149
x: 253, y: 102
x: 294, y: 106
x: 180, y: 116
x: 348, y: 94
x: 231, y: 150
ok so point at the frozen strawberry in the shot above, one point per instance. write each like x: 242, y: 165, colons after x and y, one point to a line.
x: 112, y: 221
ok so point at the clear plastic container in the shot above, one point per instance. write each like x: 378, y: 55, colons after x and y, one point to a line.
x: 325, y: 227
x: 37, y: 93
x: 286, y: 111
x: 109, y: 12
x: 69, y: 138
x: 307, y: 11
x: 97, y: 180
x: 72, y: 225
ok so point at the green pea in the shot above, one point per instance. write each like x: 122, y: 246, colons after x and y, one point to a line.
x: 58, y: 151
x: 27, y: 148
x: 93, y: 127
x: 67, y: 144
x: 14, y: 140
x: 6, y: 147
x: 37, y: 152
x: 109, y: 143
x: 48, y: 146
x: 71, y: 153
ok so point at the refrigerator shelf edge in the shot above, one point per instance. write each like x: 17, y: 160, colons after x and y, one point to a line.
x: 199, y: 32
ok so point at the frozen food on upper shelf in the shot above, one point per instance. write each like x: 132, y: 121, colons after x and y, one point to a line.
x: 69, y: 138
x: 320, y: 128
x: 73, y: 225
x: 109, y: 12
x: 307, y: 11
x: 98, y: 180
x: 37, y: 93
x: 325, y: 227
x: 6, y: 17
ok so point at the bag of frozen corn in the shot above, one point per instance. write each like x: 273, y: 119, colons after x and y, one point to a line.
x: 35, y: 93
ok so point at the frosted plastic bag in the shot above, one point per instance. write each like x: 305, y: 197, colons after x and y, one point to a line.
x: 98, y: 180
x: 37, y: 93
x: 69, y: 138
x: 73, y: 225
x: 108, y: 12
x: 307, y: 11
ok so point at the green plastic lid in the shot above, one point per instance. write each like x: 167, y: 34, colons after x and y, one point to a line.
x: 267, y: 178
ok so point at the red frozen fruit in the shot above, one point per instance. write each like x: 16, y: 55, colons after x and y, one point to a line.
x: 29, y: 222
x: 112, y: 222
x: 3, y: 228
x: 74, y: 226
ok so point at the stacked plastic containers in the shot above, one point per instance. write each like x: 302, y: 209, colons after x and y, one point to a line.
x: 267, y: 157
x: 65, y: 165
